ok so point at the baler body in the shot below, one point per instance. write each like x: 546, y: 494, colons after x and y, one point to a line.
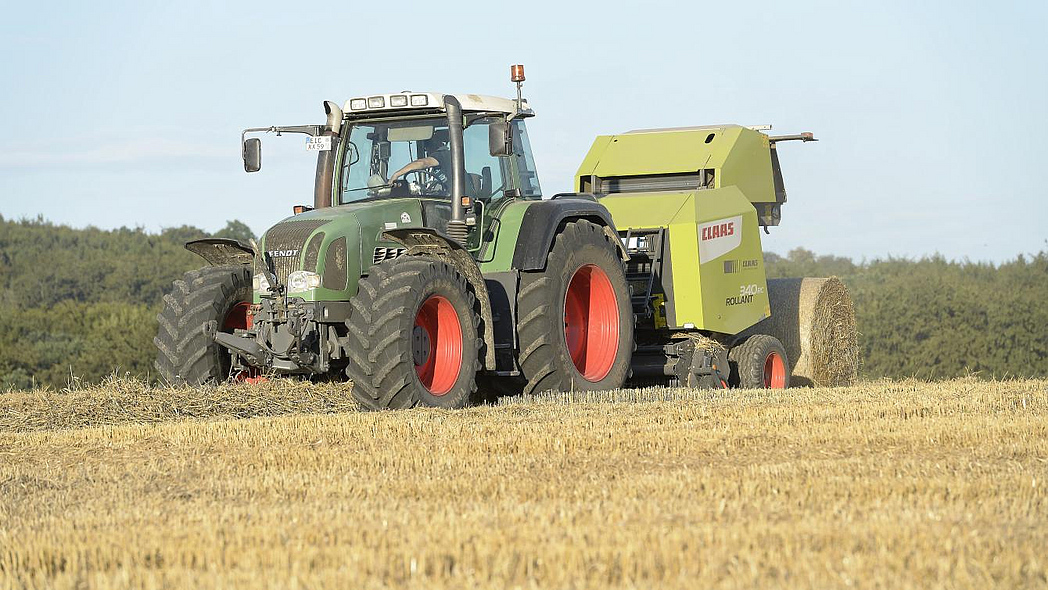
x: 690, y: 204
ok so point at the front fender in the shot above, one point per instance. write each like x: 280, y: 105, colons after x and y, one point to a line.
x: 424, y: 240
x: 221, y: 251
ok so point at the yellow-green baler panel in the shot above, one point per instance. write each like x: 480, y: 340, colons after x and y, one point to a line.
x: 645, y: 210
x: 652, y: 211
x: 737, y: 156
x: 748, y: 166
x: 715, y: 250
x: 733, y: 285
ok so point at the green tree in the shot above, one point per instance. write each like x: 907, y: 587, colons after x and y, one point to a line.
x: 236, y: 230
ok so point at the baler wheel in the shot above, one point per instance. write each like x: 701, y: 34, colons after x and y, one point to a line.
x: 413, y: 336
x: 215, y: 298
x: 760, y: 362
x: 575, y: 319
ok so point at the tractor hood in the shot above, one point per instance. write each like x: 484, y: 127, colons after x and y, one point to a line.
x: 341, y: 243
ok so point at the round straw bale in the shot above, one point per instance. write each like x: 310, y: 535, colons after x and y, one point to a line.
x: 815, y: 320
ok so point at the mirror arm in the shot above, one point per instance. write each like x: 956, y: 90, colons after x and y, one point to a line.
x: 313, y: 130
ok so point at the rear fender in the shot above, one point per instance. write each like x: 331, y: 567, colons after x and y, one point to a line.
x: 544, y: 219
x: 419, y: 241
x: 221, y: 251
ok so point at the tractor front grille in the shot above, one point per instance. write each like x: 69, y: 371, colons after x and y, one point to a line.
x: 313, y: 252
x: 335, y: 273
x: 382, y: 253
x: 285, y: 241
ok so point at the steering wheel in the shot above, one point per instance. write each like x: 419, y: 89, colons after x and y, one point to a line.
x: 429, y: 181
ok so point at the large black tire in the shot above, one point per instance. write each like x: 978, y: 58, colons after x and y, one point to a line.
x: 200, y: 304
x: 759, y: 362
x: 543, y: 318
x: 389, y: 336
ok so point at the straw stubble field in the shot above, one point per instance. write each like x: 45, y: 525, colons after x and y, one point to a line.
x: 897, y: 485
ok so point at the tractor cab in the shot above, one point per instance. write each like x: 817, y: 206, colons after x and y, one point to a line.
x: 399, y: 151
x: 461, y: 153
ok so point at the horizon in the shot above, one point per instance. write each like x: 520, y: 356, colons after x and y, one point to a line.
x: 780, y: 254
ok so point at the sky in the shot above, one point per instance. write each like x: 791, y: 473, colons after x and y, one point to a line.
x: 930, y: 115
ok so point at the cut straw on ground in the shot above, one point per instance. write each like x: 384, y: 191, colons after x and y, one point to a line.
x: 888, y: 484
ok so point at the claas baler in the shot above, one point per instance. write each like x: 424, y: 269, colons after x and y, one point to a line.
x: 689, y: 204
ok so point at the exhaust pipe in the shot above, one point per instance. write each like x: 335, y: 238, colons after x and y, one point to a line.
x: 326, y: 160
x: 457, y: 225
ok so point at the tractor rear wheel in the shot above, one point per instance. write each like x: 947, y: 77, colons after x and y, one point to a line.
x: 203, y: 302
x: 575, y: 319
x: 760, y: 363
x: 413, y: 334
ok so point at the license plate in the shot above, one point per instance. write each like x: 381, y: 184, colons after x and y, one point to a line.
x: 320, y: 143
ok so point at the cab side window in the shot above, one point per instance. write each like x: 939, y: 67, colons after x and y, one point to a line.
x: 485, y: 174
x: 529, y: 176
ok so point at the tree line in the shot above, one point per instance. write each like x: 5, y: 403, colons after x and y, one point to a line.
x: 81, y: 304
x: 933, y: 318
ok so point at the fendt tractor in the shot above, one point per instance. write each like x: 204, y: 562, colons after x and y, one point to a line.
x: 430, y: 260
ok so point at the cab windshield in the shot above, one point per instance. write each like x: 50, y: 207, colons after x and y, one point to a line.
x: 408, y: 158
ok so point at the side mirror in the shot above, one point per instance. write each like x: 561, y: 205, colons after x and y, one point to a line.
x: 252, y: 155
x: 500, y: 139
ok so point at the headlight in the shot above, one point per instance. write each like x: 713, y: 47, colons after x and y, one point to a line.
x: 419, y: 100
x: 302, y: 280
x: 260, y: 283
x: 358, y: 104
x: 376, y: 102
x: 398, y: 100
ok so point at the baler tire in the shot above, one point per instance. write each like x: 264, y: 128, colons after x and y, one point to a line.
x: 392, y: 300
x: 542, y: 316
x: 750, y: 363
x: 198, y: 307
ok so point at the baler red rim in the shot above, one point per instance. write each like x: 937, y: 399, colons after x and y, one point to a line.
x: 774, y: 371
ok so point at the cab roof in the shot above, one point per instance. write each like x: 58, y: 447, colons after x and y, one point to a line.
x: 407, y: 100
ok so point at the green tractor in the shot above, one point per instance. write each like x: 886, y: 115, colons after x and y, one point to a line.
x: 430, y: 260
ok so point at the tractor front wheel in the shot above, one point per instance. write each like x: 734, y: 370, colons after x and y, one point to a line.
x: 206, y: 301
x: 413, y: 336
x: 575, y: 319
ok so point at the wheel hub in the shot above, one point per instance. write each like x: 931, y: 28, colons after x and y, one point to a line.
x: 420, y: 344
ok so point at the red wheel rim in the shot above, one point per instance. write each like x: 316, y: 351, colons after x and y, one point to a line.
x: 774, y: 371
x: 238, y: 318
x: 591, y: 322
x: 436, y: 345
